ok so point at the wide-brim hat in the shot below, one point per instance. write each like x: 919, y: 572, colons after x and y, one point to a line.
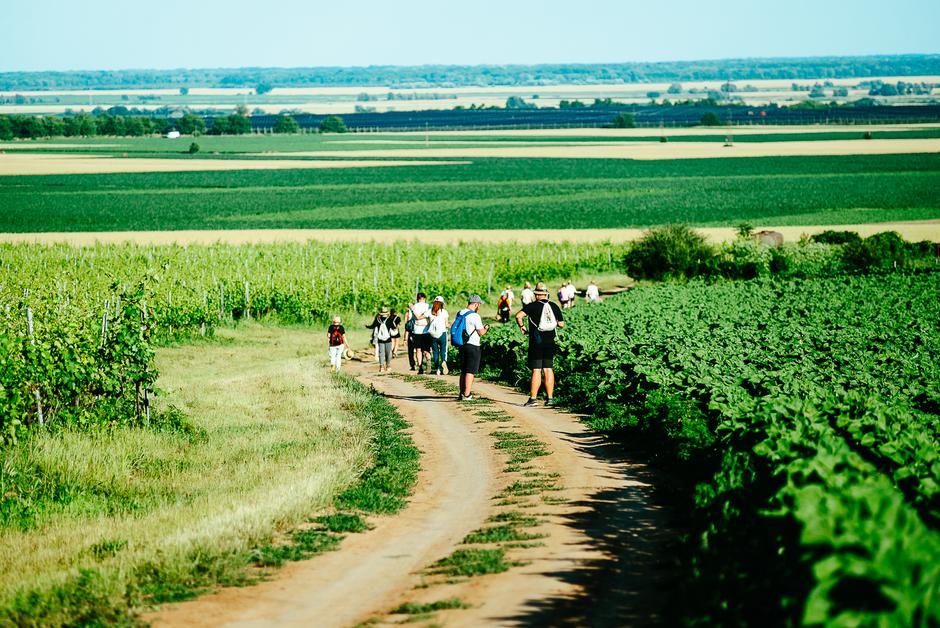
x: 541, y: 288
x: 337, y: 319
x: 384, y: 310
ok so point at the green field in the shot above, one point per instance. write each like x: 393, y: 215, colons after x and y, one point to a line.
x: 487, y: 194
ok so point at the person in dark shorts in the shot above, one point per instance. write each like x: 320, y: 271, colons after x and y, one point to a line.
x: 470, y: 350
x: 544, y: 318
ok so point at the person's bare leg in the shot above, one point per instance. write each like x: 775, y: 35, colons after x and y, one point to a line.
x: 468, y: 387
x: 549, y: 382
x: 536, y: 383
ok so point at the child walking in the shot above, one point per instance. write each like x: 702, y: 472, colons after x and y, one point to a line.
x: 337, y: 337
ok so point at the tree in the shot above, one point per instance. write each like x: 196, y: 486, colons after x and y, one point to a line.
x: 517, y: 102
x: 710, y: 118
x: 263, y: 88
x: 333, y: 124
x: 190, y: 124
x: 286, y: 124
x: 624, y: 121
x: 238, y: 123
x: 184, y: 91
x: 6, y: 129
x: 193, y: 148
x: 219, y: 126
x: 675, y: 88
x: 134, y: 126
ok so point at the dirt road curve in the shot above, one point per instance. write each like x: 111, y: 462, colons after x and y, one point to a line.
x: 598, y: 563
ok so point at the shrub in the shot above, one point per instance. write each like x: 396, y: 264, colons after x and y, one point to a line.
x: 710, y: 118
x: 881, y: 251
x: 193, y: 148
x: 624, y: 121
x: 836, y: 237
x: 673, y: 251
x: 333, y: 124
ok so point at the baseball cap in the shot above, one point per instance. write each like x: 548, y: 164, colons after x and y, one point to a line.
x: 474, y: 298
x: 439, y: 299
x: 337, y: 320
x: 541, y: 288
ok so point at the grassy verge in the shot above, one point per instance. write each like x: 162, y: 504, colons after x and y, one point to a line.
x: 94, y: 526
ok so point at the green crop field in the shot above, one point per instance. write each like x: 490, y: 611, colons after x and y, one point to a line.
x: 487, y: 194
x: 804, y: 413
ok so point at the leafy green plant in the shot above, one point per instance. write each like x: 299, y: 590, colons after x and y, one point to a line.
x: 673, y: 251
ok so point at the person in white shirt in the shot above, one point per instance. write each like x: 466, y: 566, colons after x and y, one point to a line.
x: 470, y: 351
x: 592, y: 294
x: 437, y: 329
x: 570, y: 293
x: 528, y: 296
x: 419, y: 311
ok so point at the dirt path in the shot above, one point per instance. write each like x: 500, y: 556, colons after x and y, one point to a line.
x: 599, y: 536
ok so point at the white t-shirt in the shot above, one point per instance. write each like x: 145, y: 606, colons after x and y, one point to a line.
x: 527, y: 296
x: 438, y: 325
x: 571, y: 292
x: 474, y: 324
x: 509, y: 295
x: 421, y: 309
x: 592, y: 293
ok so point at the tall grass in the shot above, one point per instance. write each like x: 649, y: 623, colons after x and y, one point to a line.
x: 95, y: 523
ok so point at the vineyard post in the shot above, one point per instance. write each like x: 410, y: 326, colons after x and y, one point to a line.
x: 489, y: 288
x: 205, y: 308
x: 143, y: 321
x: 247, y: 303
x: 32, y: 341
x: 104, y: 322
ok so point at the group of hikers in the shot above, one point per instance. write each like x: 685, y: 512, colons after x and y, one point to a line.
x: 427, y: 325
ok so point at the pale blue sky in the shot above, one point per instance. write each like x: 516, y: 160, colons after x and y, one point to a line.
x: 111, y: 34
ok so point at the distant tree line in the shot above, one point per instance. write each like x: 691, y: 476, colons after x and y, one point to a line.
x: 411, y: 77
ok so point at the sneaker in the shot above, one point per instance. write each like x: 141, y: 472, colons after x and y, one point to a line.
x: 530, y: 403
x: 444, y: 368
x: 550, y: 401
x: 466, y: 397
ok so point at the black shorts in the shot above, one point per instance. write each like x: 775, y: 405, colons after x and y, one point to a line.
x: 470, y: 359
x: 541, y: 355
x: 422, y: 341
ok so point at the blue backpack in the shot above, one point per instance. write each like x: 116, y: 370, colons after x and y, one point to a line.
x: 459, y: 328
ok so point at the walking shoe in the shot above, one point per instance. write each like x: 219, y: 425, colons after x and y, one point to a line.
x: 550, y: 401
x: 466, y: 397
x: 530, y: 403
x: 444, y: 368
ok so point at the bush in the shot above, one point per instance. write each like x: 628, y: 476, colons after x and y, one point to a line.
x: 881, y: 251
x: 711, y: 119
x: 333, y: 124
x: 836, y: 237
x: 624, y: 121
x: 193, y: 148
x: 673, y: 251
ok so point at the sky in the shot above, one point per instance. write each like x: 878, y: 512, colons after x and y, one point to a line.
x: 111, y: 34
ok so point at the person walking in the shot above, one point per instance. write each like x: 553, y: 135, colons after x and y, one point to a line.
x: 338, y: 345
x: 544, y: 317
x: 593, y: 293
x: 469, y: 328
x: 437, y: 329
x: 395, y: 326
x: 571, y: 293
x: 503, y: 308
x: 527, y: 295
x: 381, y: 327
x: 418, y: 320
x: 510, y: 295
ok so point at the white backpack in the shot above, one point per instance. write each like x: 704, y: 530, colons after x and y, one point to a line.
x: 547, y: 321
x: 382, y: 333
x: 437, y: 326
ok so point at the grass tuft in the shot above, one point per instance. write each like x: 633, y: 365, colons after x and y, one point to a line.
x: 413, y: 608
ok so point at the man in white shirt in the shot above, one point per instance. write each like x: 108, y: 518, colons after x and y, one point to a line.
x: 510, y: 295
x: 528, y: 296
x: 592, y: 294
x: 570, y: 293
x: 470, y: 351
x: 422, y: 340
